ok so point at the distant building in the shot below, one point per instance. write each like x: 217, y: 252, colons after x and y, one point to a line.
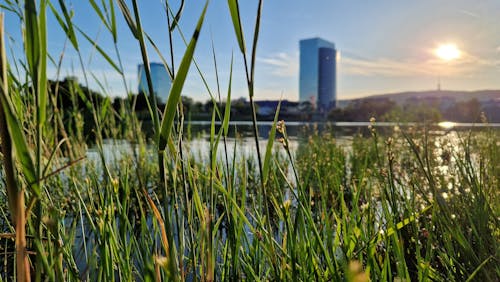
x: 317, y: 83
x: 159, y: 77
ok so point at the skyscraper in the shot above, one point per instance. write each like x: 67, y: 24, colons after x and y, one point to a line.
x: 159, y: 77
x: 317, y: 83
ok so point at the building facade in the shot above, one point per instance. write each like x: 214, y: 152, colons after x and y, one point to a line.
x: 318, y: 68
x: 160, y: 79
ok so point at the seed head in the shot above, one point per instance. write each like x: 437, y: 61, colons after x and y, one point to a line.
x: 280, y: 126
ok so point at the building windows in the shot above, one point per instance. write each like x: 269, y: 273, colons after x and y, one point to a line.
x: 317, y: 83
x: 160, y: 79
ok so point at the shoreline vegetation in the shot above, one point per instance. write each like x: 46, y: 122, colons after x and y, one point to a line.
x: 387, y: 109
x: 398, y: 205
x: 73, y: 97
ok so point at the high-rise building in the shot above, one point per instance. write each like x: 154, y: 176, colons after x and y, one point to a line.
x: 317, y: 84
x: 159, y: 77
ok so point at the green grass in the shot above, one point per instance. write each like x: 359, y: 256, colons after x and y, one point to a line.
x: 406, y: 204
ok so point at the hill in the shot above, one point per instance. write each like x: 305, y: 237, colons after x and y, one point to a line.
x: 402, y: 98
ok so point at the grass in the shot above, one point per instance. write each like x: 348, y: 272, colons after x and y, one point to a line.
x: 401, y: 205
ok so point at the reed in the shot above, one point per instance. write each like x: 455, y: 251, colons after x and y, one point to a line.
x: 397, y: 205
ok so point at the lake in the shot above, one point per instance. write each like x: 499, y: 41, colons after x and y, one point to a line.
x: 240, y: 135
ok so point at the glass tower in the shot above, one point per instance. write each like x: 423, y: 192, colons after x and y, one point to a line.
x: 159, y: 77
x: 317, y: 83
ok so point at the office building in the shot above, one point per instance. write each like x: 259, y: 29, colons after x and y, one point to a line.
x: 159, y: 77
x: 317, y: 83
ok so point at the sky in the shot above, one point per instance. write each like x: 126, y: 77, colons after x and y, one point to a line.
x: 384, y: 46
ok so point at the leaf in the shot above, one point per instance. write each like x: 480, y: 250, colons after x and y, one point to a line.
x: 100, y: 15
x: 128, y: 17
x: 270, y: 143
x: 178, y: 83
x: 6, y: 147
x: 227, y: 111
x: 19, y: 142
x: 70, y: 31
x: 113, y: 20
x: 42, y: 73
x: 177, y: 15
x: 36, y: 51
x: 235, y: 17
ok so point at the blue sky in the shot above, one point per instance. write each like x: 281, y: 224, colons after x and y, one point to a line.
x: 385, y: 46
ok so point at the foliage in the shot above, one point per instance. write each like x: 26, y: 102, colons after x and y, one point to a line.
x: 409, y: 205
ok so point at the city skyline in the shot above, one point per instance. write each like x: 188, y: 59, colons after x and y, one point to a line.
x: 383, y: 47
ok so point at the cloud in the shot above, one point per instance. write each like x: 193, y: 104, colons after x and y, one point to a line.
x: 382, y: 67
x: 467, y: 64
x: 281, y: 64
x: 468, y: 13
x: 286, y: 65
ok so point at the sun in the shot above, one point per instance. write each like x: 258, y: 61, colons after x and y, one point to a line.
x: 448, y: 52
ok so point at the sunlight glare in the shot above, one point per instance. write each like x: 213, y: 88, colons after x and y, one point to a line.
x: 448, y: 52
x: 446, y: 124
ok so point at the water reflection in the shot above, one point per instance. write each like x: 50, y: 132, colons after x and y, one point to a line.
x: 241, y: 141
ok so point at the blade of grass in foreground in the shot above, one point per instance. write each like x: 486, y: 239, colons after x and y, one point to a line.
x: 177, y: 85
x: 6, y: 147
x: 270, y: 143
x: 16, y: 195
x: 235, y: 16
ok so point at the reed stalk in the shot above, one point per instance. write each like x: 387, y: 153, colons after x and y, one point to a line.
x: 380, y: 209
x: 16, y: 198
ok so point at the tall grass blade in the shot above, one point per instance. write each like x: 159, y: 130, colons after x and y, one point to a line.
x: 101, y: 16
x: 70, y: 31
x: 177, y: 16
x: 20, y: 145
x: 6, y: 147
x: 270, y: 144
x: 42, y: 67
x: 227, y: 110
x: 128, y: 18
x: 178, y: 83
x: 254, y: 44
x: 238, y: 29
x: 15, y: 195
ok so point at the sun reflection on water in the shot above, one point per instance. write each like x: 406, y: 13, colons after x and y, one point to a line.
x: 447, y: 124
